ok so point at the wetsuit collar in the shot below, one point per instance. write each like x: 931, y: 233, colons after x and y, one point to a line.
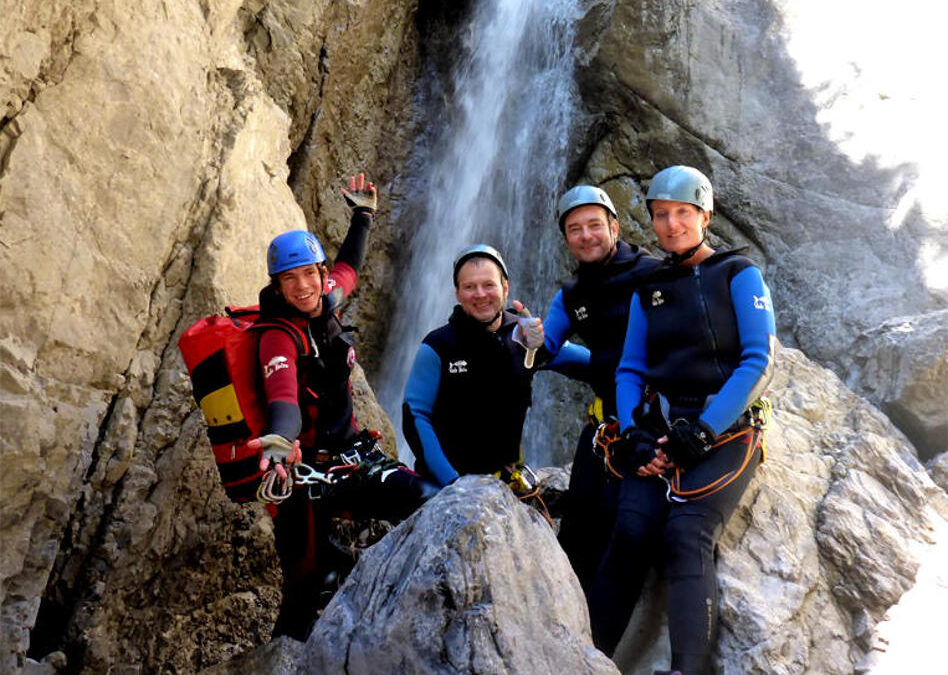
x: 623, y: 253
x: 464, y: 321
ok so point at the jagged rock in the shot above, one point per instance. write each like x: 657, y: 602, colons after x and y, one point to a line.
x: 143, y: 168
x: 938, y: 468
x: 473, y: 583
x: 902, y: 366
x: 369, y: 413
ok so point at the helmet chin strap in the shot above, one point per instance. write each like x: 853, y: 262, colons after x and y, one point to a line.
x: 678, y: 258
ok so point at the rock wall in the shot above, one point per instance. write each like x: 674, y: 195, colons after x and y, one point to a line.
x: 143, y: 167
x: 848, y: 239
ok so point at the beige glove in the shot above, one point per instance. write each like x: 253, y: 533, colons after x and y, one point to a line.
x: 361, y: 195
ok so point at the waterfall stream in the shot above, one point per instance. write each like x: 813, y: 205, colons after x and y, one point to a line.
x: 492, y: 175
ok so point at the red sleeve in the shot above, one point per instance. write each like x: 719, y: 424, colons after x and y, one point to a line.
x: 343, y: 276
x: 278, y: 363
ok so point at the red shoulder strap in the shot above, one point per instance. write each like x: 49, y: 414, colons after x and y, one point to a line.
x: 288, y: 327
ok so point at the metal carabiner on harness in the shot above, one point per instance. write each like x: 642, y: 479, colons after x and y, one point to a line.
x: 606, y: 434
x: 304, y: 474
x: 269, y: 493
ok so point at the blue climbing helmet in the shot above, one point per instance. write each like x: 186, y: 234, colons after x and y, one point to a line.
x: 294, y: 249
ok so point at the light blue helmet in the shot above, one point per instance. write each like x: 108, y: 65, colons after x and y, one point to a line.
x: 681, y: 184
x: 581, y: 195
x: 294, y: 249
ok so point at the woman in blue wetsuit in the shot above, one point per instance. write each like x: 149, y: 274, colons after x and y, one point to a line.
x: 697, y: 357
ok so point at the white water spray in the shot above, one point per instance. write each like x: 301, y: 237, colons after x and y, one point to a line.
x: 493, y: 177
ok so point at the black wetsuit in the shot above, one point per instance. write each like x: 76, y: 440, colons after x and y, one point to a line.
x: 703, y: 338
x: 595, y: 306
x: 466, y: 399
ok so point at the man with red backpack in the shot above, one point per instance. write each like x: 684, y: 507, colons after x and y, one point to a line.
x: 309, y: 400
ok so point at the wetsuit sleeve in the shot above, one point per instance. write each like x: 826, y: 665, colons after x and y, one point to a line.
x: 630, y: 375
x: 421, y: 391
x: 757, y: 329
x: 572, y: 360
x: 556, y: 325
x: 345, y: 271
x: 278, y: 355
x: 353, y: 248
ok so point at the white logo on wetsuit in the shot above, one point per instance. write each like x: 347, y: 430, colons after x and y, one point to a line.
x: 763, y: 302
x: 457, y: 367
x: 657, y: 299
x: 275, y: 364
x: 581, y: 314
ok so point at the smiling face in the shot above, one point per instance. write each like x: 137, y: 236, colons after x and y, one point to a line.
x: 482, y: 290
x: 591, y: 233
x: 302, y: 287
x: 679, y: 225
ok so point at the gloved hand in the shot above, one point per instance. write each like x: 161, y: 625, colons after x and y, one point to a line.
x: 529, y: 329
x: 635, y: 448
x: 688, y: 442
x: 360, y: 196
x: 278, y: 451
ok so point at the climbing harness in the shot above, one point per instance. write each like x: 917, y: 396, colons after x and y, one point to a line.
x: 754, y: 422
x: 525, y: 485
x: 364, y: 459
x: 606, y: 434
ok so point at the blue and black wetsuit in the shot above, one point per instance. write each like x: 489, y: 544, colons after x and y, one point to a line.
x: 595, y: 306
x: 467, y: 397
x: 703, y: 337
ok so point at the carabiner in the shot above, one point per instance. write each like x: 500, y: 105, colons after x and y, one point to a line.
x: 304, y: 474
x: 268, y: 493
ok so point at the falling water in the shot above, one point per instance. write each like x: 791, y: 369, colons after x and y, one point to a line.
x: 492, y: 176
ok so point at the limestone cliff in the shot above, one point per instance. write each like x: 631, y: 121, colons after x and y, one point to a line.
x: 144, y: 166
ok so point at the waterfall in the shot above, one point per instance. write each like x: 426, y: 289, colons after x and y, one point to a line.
x: 492, y: 174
